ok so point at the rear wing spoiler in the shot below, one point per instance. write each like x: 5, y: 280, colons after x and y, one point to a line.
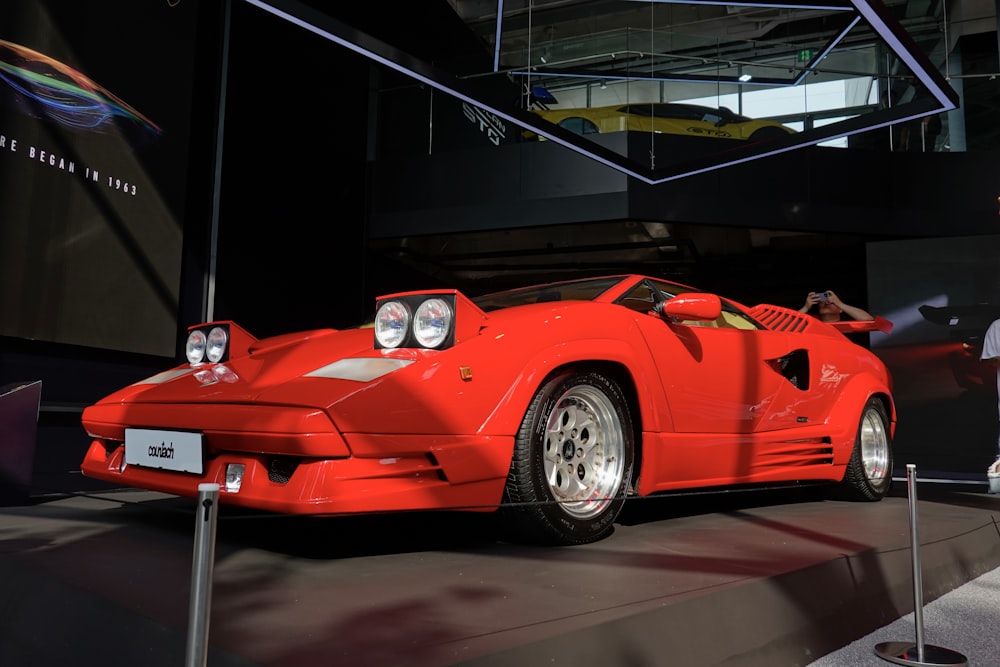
x: 862, y: 326
x: 778, y: 318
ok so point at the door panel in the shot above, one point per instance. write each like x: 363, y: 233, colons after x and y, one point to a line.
x: 717, y: 380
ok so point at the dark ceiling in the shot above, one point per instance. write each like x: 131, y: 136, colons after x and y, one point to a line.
x: 582, y: 40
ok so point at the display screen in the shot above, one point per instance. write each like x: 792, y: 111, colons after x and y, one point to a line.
x: 95, y: 107
x: 941, y: 295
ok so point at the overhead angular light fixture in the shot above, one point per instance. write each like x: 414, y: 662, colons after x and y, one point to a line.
x: 745, y: 77
x: 941, y: 97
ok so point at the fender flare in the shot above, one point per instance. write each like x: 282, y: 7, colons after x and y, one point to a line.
x: 507, y: 416
x: 850, y: 405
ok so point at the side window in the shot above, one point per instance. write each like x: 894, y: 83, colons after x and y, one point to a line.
x: 736, y: 320
x: 579, y: 125
x: 640, y: 299
x: 729, y: 319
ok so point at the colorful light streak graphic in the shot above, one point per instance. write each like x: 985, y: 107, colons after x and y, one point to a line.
x: 52, y: 89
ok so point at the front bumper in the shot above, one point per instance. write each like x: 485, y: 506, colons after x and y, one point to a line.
x: 451, y: 472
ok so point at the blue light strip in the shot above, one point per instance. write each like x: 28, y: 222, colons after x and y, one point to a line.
x: 442, y: 87
x: 496, y: 39
x: 623, y: 164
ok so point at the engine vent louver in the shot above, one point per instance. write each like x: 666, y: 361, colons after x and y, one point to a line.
x: 280, y: 468
x: 780, y: 319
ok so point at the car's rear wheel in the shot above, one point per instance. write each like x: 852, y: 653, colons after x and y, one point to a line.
x: 572, y: 462
x: 869, y: 472
x: 767, y: 133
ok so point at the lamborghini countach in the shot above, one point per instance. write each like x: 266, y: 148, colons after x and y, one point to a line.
x: 550, y: 405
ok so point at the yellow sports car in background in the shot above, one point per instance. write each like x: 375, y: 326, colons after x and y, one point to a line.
x: 690, y: 120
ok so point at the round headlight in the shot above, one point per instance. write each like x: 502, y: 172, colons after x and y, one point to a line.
x: 432, y: 322
x: 392, y: 321
x: 216, y: 342
x: 195, y: 348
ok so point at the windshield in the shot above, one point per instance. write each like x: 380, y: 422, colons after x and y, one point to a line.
x: 578, y: 290
x: 643, y: 299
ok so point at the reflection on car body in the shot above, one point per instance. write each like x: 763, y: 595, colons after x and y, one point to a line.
x: 967, y: 325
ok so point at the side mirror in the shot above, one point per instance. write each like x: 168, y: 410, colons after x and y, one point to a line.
x: 697, y: 306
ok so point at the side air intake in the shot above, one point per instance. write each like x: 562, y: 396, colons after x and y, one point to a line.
x: 794, y: 367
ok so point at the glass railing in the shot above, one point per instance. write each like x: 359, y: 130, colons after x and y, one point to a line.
x: 756, y: 81
x: 834, y: 80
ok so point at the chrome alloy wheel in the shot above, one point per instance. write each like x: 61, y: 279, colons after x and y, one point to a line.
x: 584, y: 451
x: 874, y: 442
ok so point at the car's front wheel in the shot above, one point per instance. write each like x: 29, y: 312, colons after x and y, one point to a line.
x: 869, y: 472
x: 572, y: 461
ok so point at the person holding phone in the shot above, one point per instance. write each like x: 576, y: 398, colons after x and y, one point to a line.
x: 829, y: 307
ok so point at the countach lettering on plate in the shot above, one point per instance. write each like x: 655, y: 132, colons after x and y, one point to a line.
x: 162, y: 451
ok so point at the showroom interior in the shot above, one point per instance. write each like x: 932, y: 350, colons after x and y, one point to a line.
x: 283, y: 163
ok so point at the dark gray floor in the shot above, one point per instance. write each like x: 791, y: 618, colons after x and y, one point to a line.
x: 763, y: 578
x: 963, y: 625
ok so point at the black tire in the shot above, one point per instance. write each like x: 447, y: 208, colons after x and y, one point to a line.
x: 869, y: 472
x: 768, y: 133
x: 572, y: 464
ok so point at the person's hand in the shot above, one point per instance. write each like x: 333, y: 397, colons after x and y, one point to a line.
x: 853, y: 312
x: 811, y: 300
x: 832, y: 297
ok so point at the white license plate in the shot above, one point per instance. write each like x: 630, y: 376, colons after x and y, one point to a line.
x: 170, y: 450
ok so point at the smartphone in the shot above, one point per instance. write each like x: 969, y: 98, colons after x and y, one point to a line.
x: 822, y: 296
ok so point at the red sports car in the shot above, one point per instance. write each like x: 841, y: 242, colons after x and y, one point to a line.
x: 551, y: 404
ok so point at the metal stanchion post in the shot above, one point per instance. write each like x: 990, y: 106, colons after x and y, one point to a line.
x: 201, y: 575
x: 908, y: 653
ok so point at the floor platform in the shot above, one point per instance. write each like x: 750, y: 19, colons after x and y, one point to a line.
x: 771, y: 577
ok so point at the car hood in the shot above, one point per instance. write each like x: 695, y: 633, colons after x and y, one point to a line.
x: 295, y: 369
